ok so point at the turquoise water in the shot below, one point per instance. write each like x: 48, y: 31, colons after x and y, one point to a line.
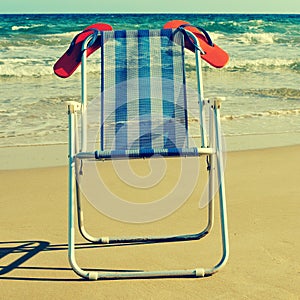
x: 261, y: 82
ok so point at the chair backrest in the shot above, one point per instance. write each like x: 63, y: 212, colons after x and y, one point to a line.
x: 143, y: 91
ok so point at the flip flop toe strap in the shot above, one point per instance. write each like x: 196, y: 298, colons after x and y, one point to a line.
x: 93, y: 31
x: 187, y: 38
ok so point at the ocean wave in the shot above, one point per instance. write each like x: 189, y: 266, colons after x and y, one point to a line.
x: 26, y: 27
x: 246, y: 65
x: 260, y: 35
x: 216, y: 36
x: 284, y: 93
x: 36, y: 67
x: 295, y: 66
x: 263, y: 64
x: 31, y: 132
x: 254, y: 115
x: 270, y: 113
x: 24, y: 65
x: 27, y: 41
x: 25, y: 68
x: 264, y: 38
x: 66, y: 34
x: 250, y: 38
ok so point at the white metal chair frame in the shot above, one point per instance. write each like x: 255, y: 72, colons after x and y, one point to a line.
x: 213, y: 151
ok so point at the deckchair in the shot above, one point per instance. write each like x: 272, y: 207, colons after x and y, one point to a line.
x: 142, y: 112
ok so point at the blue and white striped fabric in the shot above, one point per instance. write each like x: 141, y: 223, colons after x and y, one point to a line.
x: 143, y: 94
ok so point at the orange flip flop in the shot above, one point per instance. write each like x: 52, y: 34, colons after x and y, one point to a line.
x: 213, y: 54
x: 71, y: 59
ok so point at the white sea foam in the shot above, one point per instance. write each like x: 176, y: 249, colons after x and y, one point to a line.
x: 15, y: 27
x: 19, y: 27
x: 250, y: 38
x: 262, y: 63
x: 216, y: 36
x: 270, y: 113
x: 68, y: 34
x: 24, y: 68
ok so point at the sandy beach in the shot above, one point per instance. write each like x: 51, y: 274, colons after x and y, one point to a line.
x: 262, y: 189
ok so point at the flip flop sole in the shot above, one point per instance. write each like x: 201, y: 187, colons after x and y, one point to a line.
x: 69, y: 61
x: 214, y: 55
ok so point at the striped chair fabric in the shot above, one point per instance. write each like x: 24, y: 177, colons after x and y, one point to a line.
x: 143, y: 95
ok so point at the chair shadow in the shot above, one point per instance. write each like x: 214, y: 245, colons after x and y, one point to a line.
x: 28, y: 249
x: 24, y: 250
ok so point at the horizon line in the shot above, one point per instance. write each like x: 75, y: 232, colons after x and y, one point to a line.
x: 133, y: 13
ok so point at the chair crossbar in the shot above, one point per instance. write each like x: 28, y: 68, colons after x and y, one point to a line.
x: 146, y: 153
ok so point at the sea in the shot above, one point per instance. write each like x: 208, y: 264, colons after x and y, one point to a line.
x: 260, y: 83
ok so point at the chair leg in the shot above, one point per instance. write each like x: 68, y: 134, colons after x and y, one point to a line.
x: 149, y: 239
x: 94, y: 275
x: 197, y: 272
x: 222, y: 195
